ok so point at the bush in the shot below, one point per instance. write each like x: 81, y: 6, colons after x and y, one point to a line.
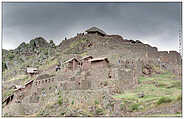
x: 72, y: 102
x: 45, y: 52
x: 63, y: 113
x: 99, y: 111
x: 122, y: 106
x: 134, y: 107
x: 179, y: 98
x: 4, y: 67
x: 11, y: 56
x: 21, y: 60
x: 96, y: 102
x: 163, y: 100
x: 60, y: 100
x: 6, y: 114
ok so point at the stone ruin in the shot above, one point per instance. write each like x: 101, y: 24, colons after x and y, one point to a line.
x: 96, y: 74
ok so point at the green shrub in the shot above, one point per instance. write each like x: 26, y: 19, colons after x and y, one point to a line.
x: 122, y: 106
x: 63, y: 113
x: 96, y: 102
x: 45, y: 52
x: 21, y: 60
x: 179, y: 98
x: 164, y: 100
x: 4, y: 67
x: 134, y: 107
x: 11, y: 56
x: 99, y: 111
x: 178, y: 112
x: 72, y: 102
x: 6, y: 114
x: 8, y: 93
x: 60, y: 100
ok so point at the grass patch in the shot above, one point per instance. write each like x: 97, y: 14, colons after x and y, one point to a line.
x: 48, y: 64
x: 78, y: 42
x: 164, y: 100
x: 158, y: 89
x: 8, y: 93
x: 19, y: 77
x: 134, y: 107
x: 127, y: 95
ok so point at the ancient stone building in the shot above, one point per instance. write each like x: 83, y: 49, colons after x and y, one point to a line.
x: 96, y: 31
x: 85, y: 62
x: 99, y: 62
x: 19, y: 94
x: 72, y: 64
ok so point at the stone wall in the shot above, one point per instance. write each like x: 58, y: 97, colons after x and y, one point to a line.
x: 99, y: 64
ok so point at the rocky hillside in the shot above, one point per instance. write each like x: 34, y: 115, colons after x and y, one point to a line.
x: 34, y: 53
x: 139, y: 79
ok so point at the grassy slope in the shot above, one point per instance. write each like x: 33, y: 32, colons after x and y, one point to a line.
x: 158, y: 89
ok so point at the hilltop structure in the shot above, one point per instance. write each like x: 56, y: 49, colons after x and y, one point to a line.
x: 95, y: 30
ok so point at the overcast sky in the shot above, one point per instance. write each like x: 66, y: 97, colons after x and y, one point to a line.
x: 157, y: 24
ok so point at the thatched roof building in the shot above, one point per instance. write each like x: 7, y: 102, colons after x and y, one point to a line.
x: 72, y: 63
x: 95, y: 30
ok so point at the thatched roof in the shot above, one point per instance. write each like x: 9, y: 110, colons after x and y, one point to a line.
x: 99, y: 59
x: 86, y: 57
x: 95, y: 29
x: 70, y: 60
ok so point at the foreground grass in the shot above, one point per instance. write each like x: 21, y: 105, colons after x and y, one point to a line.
x: 158, y: 89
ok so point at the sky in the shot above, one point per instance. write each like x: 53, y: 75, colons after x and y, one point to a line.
x: 157, y: 24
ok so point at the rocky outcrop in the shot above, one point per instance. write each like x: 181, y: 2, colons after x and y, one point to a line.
x: 147, y: 69
x: 39, y: 42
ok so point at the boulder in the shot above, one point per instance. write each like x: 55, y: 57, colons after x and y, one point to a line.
x: 147, y: 69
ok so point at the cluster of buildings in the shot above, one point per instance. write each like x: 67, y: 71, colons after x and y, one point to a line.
x: 85, y: 63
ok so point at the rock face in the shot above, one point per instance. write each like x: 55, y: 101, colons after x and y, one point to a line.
x: 21, y: 47
x: 39, y: 42
x: 51, y: 44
